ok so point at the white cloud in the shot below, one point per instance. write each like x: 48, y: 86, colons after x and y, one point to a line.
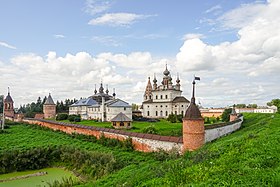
x: 214, y: 8
x: 106, y: 40
x: 93, y: 7
x: 58, y: 36
x: 4, y: 44
x: 118, y: 19
x: 192, y: 36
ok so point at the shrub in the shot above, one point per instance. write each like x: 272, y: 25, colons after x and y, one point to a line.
x: 62, y: 116
x: 150, y: 130
x: 172, y: 118
x: 72, y: 117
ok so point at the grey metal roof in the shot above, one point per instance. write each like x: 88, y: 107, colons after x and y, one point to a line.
x: 180, y: 99
x: 121, y: 117
x: 85, y: 102
x: 118, y: 103
x: 49, y: 100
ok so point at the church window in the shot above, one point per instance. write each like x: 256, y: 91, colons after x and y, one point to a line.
x: 160, y: 113
x: 124, y: 108
x: 182, y: 113
x: 166, y: 113
x: 114, y: 123
x: 182, y: 105
x: 175, y: 105
x: 161, y: 106
x: 156, y: 96
x: 150, y: 97
x: 156, y: 113
x: 156, y: 106
x: 166, y: 106
x: 160, y: 96
x: 121, y: 124
x: 128, y: 124
x: 175, y: 112
x: 148, y: 113
x: 166, y: 96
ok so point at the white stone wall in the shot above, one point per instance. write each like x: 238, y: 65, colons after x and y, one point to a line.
x: 212, y: 134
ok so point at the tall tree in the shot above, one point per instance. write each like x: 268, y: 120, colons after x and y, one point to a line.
x: 275, y: 102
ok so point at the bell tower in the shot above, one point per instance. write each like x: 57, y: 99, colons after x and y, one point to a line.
x: 9, y: 105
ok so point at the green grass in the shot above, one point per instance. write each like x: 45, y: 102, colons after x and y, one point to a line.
x: 52, y: 175
x: 163, y: 127
x: 247, y: 157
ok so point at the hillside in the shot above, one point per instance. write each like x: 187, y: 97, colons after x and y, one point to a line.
x: 248, y: 157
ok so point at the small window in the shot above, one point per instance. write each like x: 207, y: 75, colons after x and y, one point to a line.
x: 166, y: 96
x: 148, y: 113
x: 124, y: 108
x: 128, y: 124
x: 182, y: 105
x: 156, y: 106
x: 114, y: 123
x: 182, y: 113
x: 175, y: 112
x: 121, y: 124
x: 148, y: 106
x: 160, y: 96
x: 166, y: 106
x: 150, y: 97
x: 166, y: 113
x: 175, y: 105
x: 161, y: 106
x: 156, y: 96
x: 156, y: 113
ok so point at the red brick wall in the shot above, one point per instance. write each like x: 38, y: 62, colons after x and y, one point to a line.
x: 141, y: 142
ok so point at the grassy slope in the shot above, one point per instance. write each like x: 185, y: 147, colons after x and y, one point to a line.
x: 248, y: 157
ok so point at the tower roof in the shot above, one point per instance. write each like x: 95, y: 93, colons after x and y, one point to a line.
x: 49, y: 100
x: 193, y: 112
x: 148, y: 87
x: 166, y: 72
x: 8, y: 99
x: 121, y: 117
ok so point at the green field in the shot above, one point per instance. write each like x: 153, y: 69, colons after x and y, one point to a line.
x: 163, y: 127
x: 247, y: 157
x: 52, y: 175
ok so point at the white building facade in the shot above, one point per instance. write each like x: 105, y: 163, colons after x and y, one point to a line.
x: 162, y: 100
x: 101, y: 106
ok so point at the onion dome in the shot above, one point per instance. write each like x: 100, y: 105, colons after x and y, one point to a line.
x: 107, y: 91
x: 95, y: 91
x: 166, y: 72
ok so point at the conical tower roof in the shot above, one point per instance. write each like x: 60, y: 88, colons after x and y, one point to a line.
x: 8, y: 98
x: 49, y: 100
x: 148, y: 87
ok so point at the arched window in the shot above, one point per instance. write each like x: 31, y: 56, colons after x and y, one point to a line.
x: 166, y: 96
x: 161, y: 113
x: 182, y: 113
x: 156, y: 113
x: 148, y: 113
x: 166, y: 113
x: 160, y: 96
x: 121, y: 124
x: 156, y: 96
x: 150, y: 97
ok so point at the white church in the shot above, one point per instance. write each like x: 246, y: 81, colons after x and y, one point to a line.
x: 164, y: 99
x: 101, y: 106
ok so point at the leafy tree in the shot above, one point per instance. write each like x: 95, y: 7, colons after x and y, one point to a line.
x: 172, y: 118
x: 275, y: 102
x: 134, y: 107
x: 252, y: 106
x: 225, y: 115
x: 241, y: 106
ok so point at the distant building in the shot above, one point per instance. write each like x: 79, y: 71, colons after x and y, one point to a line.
x: 211, y: 112
x: 9, y: 106
x: 260, y: 109
x: 101, y: 106
x: 162, y: 100
x: 49, y: 108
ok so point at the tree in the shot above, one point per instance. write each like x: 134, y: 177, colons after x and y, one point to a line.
x: 252, y: 106
x: 1, y: 104
x: 134, y: 107
x: 225, y: 115
x: 241, y: 106
x: 275, y: 102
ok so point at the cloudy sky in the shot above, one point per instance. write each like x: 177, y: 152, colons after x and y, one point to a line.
x: 66, y: 47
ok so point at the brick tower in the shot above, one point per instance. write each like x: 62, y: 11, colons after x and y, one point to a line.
x: 233, y: 114
x: 9, y: 105
x: 49, y: 108
x: 193, y: 126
